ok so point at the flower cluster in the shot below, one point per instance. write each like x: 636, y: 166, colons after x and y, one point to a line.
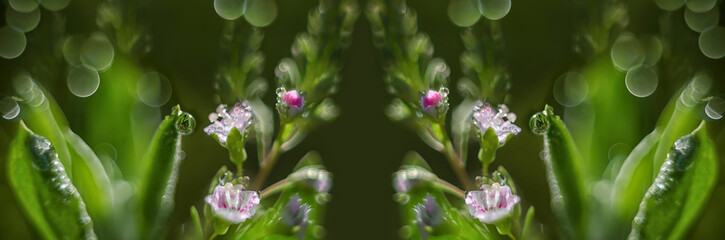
x: 222, y: 121
x: 233, y: 203
x: 491, y: 202
x: 501, y: 120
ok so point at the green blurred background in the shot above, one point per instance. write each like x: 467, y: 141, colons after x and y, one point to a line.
x: 362, y: 148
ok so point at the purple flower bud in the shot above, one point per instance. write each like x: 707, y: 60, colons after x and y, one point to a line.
x: 222, y: 122
x: 289, y: 102
x: 233, y: 203
x: 491, y: 203
x: 434, y: 102
x: 501, y: 120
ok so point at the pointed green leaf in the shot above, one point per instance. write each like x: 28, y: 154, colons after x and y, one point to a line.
x: 90, y: 177
x: 44, y: 191
x: 634, y: 177
x: 681, y: 190
x: 160, y: 170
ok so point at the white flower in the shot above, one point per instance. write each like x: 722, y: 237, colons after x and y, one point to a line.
x: 491, y: 203
x: 222, y: 121
x: 233, y: 203
x: 502, y: 121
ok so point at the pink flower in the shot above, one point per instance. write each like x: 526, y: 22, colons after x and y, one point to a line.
x: 501, y: 120
x: 491, y: 203
x: 289, y: 102
x: 434, y: 102
x: 233, y: 203
x: 222, y: 121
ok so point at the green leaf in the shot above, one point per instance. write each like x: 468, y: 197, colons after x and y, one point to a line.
x: 263, y: 126
x: 44, y: 191
x: 90, y: 177
x: 526, y: 234
x: 564, y: 166
x: 681, y: 190
x: 160, y: 170
x: 489, y: 145
x: 196, y: 221
x: 634, y: 177
x: 235, y: 145
x: 461, y: 126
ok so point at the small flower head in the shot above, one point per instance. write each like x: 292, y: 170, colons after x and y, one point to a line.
x: 233, y: 203
x: 501, y: 120
x: 491, y: 203
x: 296, y: 213
x: 289, y: 103
x: 222, y: 122
x: 435, y: 103
x: 429, y: 212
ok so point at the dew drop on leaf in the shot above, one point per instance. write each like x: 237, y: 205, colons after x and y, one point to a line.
x: 627, y: 52
x: 712, y: 42
x: 83, y: 81
x: 641, y: 81
x: 539, y: 123
x: 24, y: 22
x: 97, y: 52
x: 463, y: 12
x: 185, y: 123
x: 570, y: 89
x: 12, y: 42
x: 699, y: 22
x: 494, y: 9
x: 230, y: 9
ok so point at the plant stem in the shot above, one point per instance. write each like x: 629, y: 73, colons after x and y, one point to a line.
x: 267, y: 164
x: 457, y: 165
x: 274, y: 188
x: 450, y: 188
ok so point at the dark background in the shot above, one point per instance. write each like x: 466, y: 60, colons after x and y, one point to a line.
x: 362, y: 148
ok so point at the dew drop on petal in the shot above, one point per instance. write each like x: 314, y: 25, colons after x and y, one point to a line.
x: 230, y: 9
x: 463, y: 12
x: 24, y: 22
x: 9, y: 108
x: 715, y: 108
x: 71, y: 47
x: 494, y: 9
x: 627, y: 52
x: 641, y: 81
x: 153, y: 89
x: 23, y: 6
x: 261, y: 12
x: 670, y: 5
x: 97, y: 52
x: 712, y: 42
x: 570, y: 89
x: 698, y: 22
x: 12, y: 42
x: 701, y: 5
x: 54, y: 5
x: 83, y: 81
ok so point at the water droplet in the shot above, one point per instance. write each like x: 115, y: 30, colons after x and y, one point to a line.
x: 153, y: 89
x: 83, y: 81
x: 701, y: 5
x: 71, y: 47
x: 261, y: 12
x: 12, y: 42
x: 641, y: 81
x: 539, y: 124
x: 401, y: 198
x: 653, y: 47
x: 54, y: 5
x: 185, y: 123
x: 323, y: 198
x: 670, y: 5
x: 715, y: 108
x: 463, y: 13
x: 10, y: 108
x: 570, y: 89
x: 97, y: 52
x: 712, y: 42
x: 682, y: 151
x: 494, y: 9
x: 24, y: 22
x: 230, y: 9
x: 698, y: 22
x: 627, y: 52
x: 23, y: 6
